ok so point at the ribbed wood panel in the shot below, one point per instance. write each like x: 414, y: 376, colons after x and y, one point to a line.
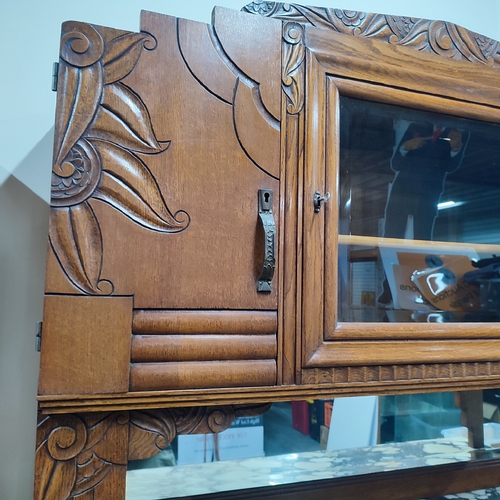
x: 201, y: 375
x: 161, y: 348
x: 165, y: 322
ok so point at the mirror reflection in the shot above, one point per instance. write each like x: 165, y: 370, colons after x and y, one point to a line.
x: 419, y: 219
x: 309, y: 440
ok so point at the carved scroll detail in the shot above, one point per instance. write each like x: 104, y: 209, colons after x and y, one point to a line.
x: 101, y: 126
x: 73, y: 456
x: 293, y: 67
x: 152, y: 431
x: 436, y: 37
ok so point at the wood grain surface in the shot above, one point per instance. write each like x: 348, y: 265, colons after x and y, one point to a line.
x: 85, y: 345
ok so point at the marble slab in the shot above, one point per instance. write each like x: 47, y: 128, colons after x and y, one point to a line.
x: 179, y: 481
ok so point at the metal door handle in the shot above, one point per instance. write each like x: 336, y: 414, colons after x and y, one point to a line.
x: 264, y: 281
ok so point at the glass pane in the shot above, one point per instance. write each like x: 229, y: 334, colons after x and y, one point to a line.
x: 419, y: 215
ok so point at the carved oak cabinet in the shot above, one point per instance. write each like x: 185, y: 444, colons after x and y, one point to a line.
x: 195, y: 267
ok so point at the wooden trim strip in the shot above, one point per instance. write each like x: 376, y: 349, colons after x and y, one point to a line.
x: 249, y: 395
x: 162, y: 348
x: 413, y: 331
x: 201, y: 375
x: 185, y: 322
x: 362, y: 353
x: 410, y: 99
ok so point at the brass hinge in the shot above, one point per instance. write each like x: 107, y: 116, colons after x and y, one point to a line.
x: 38, y: 341
x: 55, y: 72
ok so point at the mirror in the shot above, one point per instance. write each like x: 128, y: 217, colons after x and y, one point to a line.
x: 312, y: 440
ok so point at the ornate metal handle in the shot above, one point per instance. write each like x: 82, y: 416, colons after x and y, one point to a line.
x: 266, y: 216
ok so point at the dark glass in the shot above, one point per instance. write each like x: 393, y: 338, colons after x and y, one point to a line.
x: 419, y: 215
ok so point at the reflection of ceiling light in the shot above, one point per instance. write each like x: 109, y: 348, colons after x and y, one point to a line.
x: 449, y: 204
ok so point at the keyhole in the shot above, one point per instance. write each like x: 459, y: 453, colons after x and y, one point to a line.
x: 266, y: 197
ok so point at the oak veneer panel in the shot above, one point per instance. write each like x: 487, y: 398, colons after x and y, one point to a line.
x: 205, y: 374
x: 157, y: 322
x: 158, y: 348
x: 85, y: 345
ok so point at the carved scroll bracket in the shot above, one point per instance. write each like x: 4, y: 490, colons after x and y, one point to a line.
x: 79, y: 454
x: 152, y: 431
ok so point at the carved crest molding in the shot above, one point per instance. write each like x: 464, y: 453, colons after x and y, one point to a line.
x: 436, y: 37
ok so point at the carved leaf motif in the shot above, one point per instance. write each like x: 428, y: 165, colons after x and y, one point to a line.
x: 123, y: 119
x: 75, y: 237
x: 133, y: 173
x: 121, y: 55
x: 417, y: 39
x: 95, y: 109
x: 80, y: 95
x: 156, y: 423
x: 466, y: 43
x: 377, y: 27
x: 149, y: 433
x: 316, y: 16
x: 294, y: 54
x: 134, y: 204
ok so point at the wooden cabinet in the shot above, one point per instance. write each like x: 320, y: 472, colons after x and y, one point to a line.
x: 199, y: 230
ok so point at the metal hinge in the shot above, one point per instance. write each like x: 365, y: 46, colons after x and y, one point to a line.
x: 38, y: 341
x: 55, y: 72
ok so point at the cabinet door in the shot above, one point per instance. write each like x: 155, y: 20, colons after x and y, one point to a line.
x: 163, y: 258
x: 368, y: 103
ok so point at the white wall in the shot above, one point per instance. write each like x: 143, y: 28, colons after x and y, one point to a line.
x: 29, y: 36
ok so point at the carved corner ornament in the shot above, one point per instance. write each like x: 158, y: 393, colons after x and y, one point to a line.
x: 436, y: 37
x: 87, y: 454
x: 79, y: 454
x: 101, y: 126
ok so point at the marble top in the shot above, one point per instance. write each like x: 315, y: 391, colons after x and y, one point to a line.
x: 186, y: 480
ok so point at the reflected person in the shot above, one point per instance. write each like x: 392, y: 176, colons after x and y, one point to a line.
x: 421, y: 162
x: 423, y: 158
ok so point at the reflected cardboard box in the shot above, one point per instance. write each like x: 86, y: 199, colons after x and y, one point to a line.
x: 244, y: 439
x: 426, y: 282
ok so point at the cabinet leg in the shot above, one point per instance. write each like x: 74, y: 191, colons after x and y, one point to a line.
x: 81, y: 454
x: 471, y: 404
